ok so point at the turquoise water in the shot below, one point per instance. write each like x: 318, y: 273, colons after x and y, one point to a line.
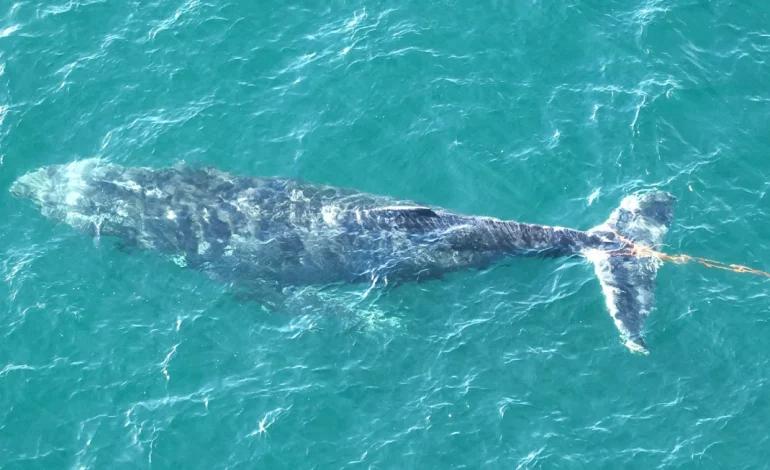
x: 547, y: 112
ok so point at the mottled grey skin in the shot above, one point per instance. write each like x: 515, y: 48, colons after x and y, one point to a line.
x: 251, y: 231
x: 285, y: 230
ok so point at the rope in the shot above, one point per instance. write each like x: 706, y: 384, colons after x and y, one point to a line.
x: 643, y: 250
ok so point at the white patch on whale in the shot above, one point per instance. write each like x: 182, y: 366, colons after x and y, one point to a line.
x: 74, y: 173
x: 329, y: 214
x: 630, y: 203
x: 129, y: 185
x: 180, y: 260
x: 72, y: 198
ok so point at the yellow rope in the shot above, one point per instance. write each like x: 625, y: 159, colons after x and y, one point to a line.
x: 643, y: 250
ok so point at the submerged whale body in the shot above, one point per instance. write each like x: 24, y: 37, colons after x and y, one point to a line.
x: 253, y: 232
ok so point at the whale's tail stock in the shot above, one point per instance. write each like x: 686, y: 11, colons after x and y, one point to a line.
x: 628, y: 267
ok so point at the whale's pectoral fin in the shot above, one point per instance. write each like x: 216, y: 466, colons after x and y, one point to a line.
x: 627, y: 279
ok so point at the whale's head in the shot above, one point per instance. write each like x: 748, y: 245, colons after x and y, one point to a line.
x: 39, y: 186
x: 72, y: 193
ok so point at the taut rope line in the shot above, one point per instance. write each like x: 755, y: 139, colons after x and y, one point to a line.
x: 634, y: 249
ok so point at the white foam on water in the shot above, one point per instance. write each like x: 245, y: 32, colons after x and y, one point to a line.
x: 9, y: 30
x: 595, y: 194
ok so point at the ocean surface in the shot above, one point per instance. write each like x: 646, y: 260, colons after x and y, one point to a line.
x: 545, y: 112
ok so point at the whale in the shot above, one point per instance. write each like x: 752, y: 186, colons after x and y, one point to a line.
x: 265, y: 233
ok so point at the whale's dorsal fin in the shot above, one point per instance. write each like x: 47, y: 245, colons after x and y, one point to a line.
x: 627, y: 279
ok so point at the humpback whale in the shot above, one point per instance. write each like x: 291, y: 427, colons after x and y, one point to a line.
x: 251, y: 232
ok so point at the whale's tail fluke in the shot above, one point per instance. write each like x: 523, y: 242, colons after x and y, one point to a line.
x: 628, y: 277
